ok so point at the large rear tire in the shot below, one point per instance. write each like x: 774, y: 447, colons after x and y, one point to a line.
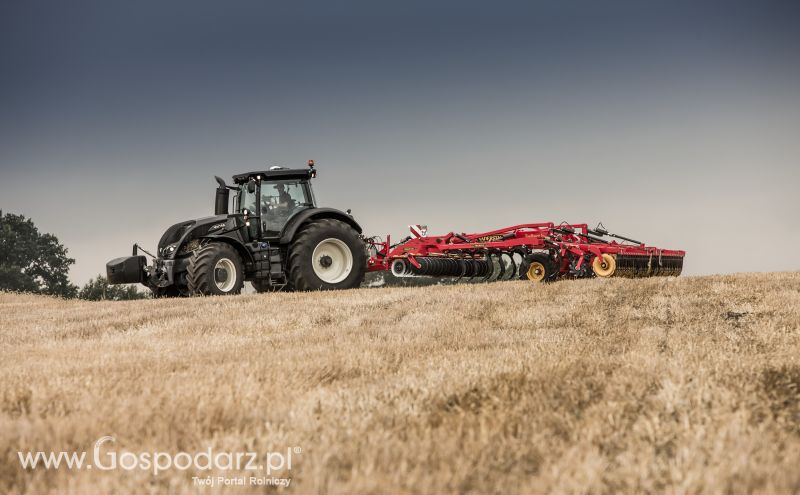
x: 215, y: 270
x: 326, y: 254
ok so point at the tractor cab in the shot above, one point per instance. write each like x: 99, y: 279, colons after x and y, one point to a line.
x: 270, y: 198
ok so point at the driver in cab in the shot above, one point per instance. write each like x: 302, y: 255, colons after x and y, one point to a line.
x: 284, y: 199
x: 277, y: 206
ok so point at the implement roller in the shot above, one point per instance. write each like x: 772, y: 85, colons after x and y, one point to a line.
x: 540, y: 252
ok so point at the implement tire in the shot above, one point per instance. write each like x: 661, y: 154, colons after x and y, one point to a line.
x: 604, y: 266
x: 537, y: 268
x: 215, y: 270
x: 326, y: 254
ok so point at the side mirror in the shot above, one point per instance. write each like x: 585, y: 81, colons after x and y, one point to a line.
x: 251, y: 187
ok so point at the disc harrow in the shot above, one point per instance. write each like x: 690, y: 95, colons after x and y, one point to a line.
x: 537, y: 251
x: 443, y: 266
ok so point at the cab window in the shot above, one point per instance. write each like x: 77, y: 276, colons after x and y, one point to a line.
x: 280, y: 200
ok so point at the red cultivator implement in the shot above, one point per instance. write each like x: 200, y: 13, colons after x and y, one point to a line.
x: 534, y: 251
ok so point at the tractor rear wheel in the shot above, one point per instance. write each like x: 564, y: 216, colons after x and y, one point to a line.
x: 326, y: 254
x: 215, y: 270
x: 537, y: 268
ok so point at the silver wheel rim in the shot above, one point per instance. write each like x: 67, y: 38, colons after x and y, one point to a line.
x: 332, y: 261
x: 225, y: 275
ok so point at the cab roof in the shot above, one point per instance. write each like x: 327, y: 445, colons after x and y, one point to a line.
x: 277, y: 174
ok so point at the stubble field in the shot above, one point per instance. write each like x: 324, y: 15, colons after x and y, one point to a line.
x: 679, y: 385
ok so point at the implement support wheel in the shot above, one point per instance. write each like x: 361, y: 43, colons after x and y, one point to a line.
x: 536, y: 271
x: 537, y: 267
x: 604, y: 266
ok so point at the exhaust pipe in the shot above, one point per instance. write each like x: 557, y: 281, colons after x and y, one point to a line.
x: 221, y: 200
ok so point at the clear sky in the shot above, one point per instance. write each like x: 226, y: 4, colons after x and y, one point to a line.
x: 676, y: 123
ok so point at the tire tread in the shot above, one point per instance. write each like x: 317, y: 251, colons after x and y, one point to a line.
x: 197, y: 275
x: 302, y: 242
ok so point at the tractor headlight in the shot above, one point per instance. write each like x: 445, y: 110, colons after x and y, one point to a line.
x: 169, y: 250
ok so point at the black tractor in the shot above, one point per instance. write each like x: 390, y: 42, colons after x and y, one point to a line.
x: 276, y: 238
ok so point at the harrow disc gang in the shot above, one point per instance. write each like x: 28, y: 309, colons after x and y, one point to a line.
x: 435, y: 266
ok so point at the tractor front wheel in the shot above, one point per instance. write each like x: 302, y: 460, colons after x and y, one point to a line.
x: 215, y: 270
x: 327, y: 254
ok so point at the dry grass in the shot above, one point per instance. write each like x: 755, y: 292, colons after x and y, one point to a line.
x: 678, y: 385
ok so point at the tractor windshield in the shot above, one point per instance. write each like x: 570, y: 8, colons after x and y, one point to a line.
x: 280, y: 200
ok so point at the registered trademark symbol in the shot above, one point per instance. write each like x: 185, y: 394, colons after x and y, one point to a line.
x: 297, y: 450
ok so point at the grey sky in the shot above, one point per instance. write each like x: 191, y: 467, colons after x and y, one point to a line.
x: 674, y: 124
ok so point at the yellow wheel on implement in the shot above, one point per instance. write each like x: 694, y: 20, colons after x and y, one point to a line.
x: 536, y: 271
x: 604, y: 266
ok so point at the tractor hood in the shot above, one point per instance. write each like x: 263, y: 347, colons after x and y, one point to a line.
x: 190, y: 229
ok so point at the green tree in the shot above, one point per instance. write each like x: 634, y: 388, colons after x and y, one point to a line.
x: 31, y: 261
x: 98, y: 289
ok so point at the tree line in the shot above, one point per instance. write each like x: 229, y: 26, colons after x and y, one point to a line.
x: 36, y: 262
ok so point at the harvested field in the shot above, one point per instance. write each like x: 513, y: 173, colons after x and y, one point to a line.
x: 684, y: 385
